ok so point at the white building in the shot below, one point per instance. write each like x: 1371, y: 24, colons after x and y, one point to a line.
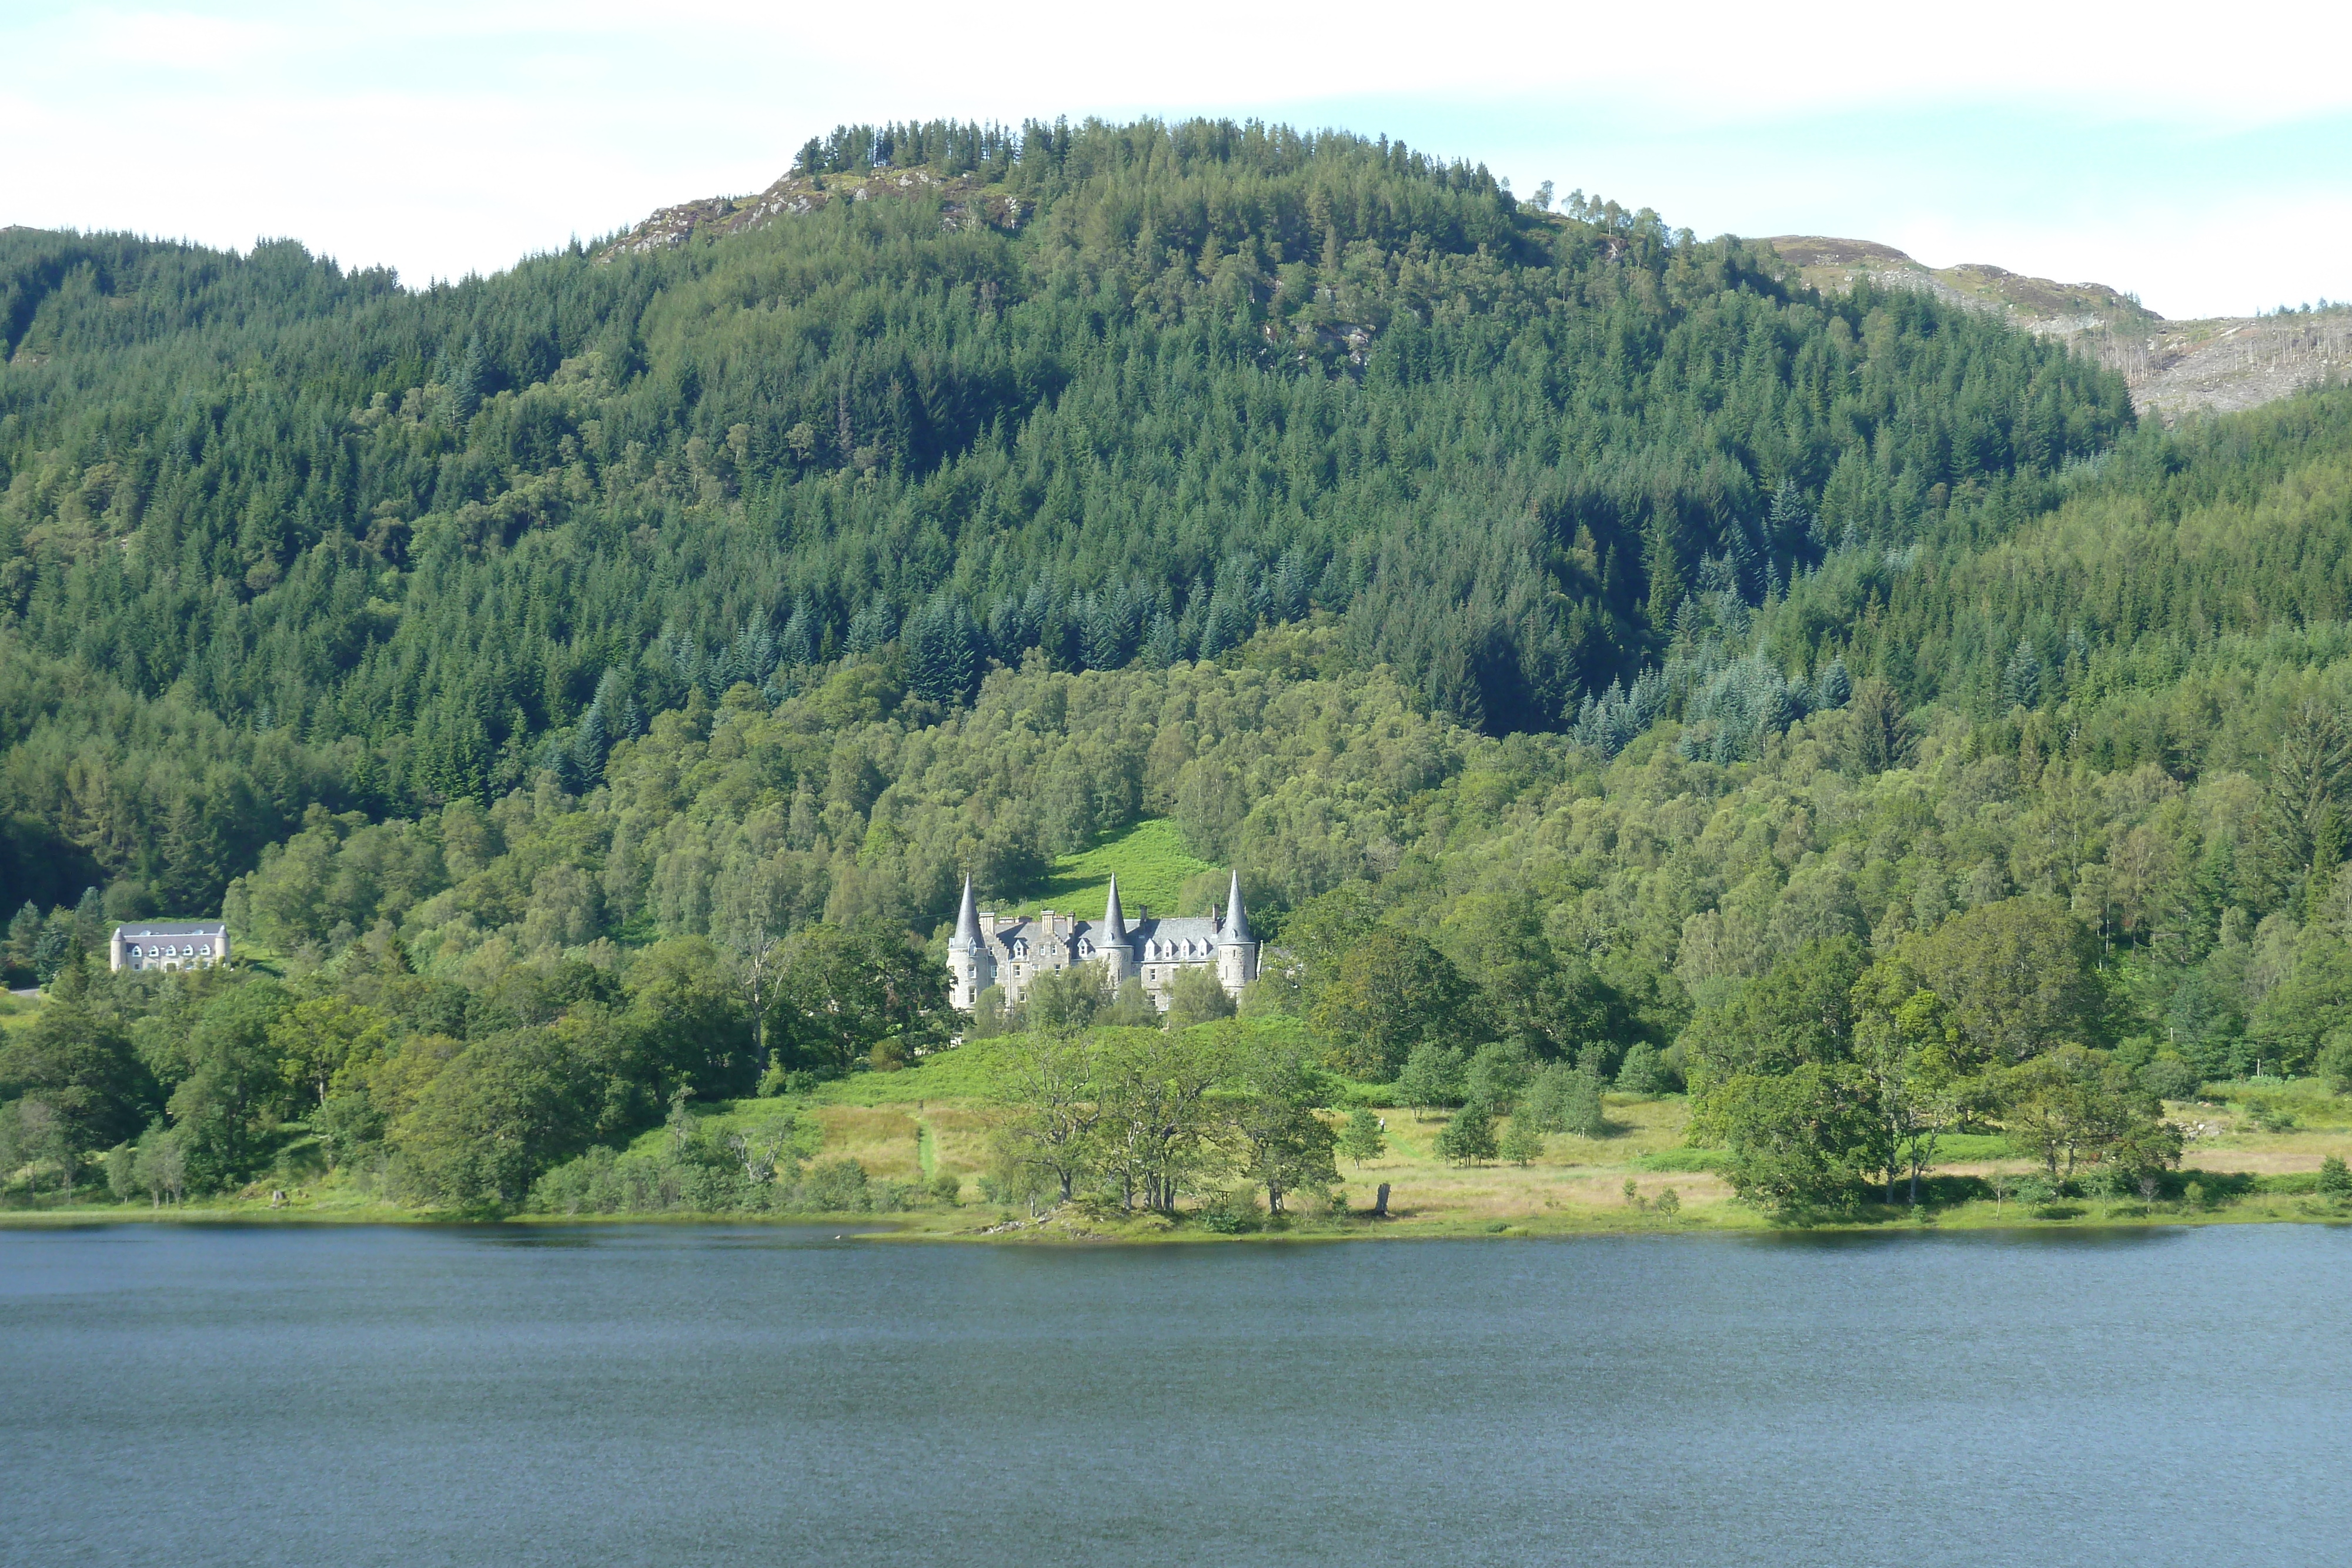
x: 1010, y: 952
x: 169, y: 945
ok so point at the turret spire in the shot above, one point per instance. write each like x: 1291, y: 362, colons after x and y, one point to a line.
x: 967, y: 932
x: 1114, y: 921
x: 1236, y: 929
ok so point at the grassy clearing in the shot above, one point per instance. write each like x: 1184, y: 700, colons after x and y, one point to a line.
x: 1150, y: 860
x: 18, y: 1012
x: 971, y: 1072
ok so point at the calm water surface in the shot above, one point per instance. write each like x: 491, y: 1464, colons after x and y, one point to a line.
x: 719, y: 1395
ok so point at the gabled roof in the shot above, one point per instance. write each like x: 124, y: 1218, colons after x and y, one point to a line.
x: 132, y: 932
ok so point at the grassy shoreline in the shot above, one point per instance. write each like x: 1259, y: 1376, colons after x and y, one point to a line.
x: 1083, y: 1225
x: 2252, y: 1159
x: 1090, y: 1230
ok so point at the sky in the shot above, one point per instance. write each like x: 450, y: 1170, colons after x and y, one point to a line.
x: 2197, y: 156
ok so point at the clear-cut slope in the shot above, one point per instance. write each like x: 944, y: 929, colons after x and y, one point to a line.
x: 2173, y: 367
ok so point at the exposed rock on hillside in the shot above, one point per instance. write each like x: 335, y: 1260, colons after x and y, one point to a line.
x: 963, y: 203
x: 2172, y: 367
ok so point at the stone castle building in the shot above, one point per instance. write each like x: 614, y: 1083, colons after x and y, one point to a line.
x: 1150, y: 951
x: 168, y: 945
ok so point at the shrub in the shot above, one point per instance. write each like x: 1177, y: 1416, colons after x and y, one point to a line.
x: 947, y: 1189
x: 1682, y: 1159
x: 890, y: 1196
x: 1468, y: 1138
x: 1521, y: 1143
x: 776, y: 1081
x: 1197, y: 997
x: 1232, y: 1212
x: 836, y: 1186
x: 989, y: 1010
x: 1433, y: 1076
x: 1643, y: 1070
x: 2335, y: 1180
x: 1010, y: 1187
x: 2336, y: 1061
x: 121, y: 1178
x: 2171, y: 1076
x: 1565, y: 1099
x: 2270, y: 1115
x: 1362, y: 1138
x: 1496, y: 1074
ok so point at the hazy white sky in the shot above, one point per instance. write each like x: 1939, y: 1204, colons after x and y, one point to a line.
x: 2199, y: 155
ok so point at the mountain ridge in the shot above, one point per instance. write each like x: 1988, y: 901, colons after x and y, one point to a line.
x: 2221, y: 364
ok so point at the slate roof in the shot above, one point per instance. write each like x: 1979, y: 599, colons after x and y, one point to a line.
x: 1195, y: 936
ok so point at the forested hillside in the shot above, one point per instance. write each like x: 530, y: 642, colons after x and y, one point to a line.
x: 591, y: 683
x: 1209, y: 377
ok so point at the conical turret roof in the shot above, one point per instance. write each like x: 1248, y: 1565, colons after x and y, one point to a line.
x: 1114, y: 920
x: 1237, y: 927
x: 967, y: 932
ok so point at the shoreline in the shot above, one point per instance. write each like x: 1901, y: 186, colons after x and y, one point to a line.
x: 1079, y: 1229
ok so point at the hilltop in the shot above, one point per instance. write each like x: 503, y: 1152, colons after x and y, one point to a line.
x: 2217, y: 364
x: 2221, y: 364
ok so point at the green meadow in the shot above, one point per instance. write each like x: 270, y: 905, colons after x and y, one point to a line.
x: 1152, y: 866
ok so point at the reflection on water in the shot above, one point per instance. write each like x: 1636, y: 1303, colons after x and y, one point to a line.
x: 726, y: 1394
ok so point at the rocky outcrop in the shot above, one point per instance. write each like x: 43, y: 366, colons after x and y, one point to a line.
x: 963, y: 203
